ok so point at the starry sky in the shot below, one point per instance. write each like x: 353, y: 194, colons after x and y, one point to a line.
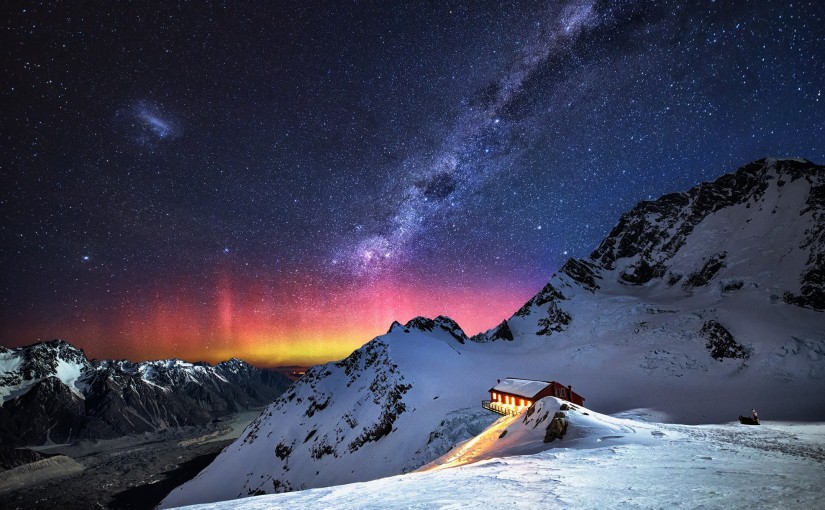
x: 279, y: 181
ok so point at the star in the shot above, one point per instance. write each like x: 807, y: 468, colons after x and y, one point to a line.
x: 371, y: 163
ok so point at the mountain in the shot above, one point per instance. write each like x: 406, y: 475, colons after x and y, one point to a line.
x: 700, y: 305
x: 601, y: 462
x: 53, y: 394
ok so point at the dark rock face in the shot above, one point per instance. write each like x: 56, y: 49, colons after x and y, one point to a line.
x: 632, y: 235
x: 556, y: 321
x: 654, y: 231
x: 392, y: 407
x: 557, y: 427
x: 547, y: 294
x: 646, y: 239
x: 733, y: 286
x: 442, y: 322
x: 114, y: 398
x: 500, y: 332
x: 812, y: 281
x: 420, y: 323
x: 641, y: 273
x: 386, y: 389
x: 721, y: 343
x: 49, y: 411
x: 708, y: 271
x: 583, y: 272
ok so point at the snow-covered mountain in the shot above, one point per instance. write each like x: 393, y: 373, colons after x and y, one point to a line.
x: 700, y: 305
x: 601, y: 462
x: 52, y: 393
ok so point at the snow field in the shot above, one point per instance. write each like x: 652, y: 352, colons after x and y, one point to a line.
x: 718, y: 466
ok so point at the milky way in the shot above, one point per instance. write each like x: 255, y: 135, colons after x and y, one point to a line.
x: 281, y: 182
x: 436, y: 184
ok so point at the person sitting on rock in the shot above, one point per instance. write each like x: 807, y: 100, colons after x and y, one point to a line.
x: 754, y: 415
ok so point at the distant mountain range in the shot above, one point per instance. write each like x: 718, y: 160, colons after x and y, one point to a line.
x: 700, y: 305
x: 52, y: 393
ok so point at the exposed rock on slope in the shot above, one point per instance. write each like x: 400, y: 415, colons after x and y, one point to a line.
x: 645, y: 242
x: 764, y: 224
x: 720, y: 342
x: 53, y: 393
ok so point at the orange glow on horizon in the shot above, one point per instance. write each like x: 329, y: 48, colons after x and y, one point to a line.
x: 303, y: 322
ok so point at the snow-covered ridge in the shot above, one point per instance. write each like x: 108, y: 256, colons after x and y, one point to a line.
x: 52, y: 392
x: 699, y: 305
x: 762, y: 227
x: 643, y: 246
x: 22, y: 368
x: 333, y: 424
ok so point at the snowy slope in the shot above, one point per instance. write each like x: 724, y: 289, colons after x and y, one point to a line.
x: 602, y: 462
x: 333, y: 424
x: 700, y: 305
x: 526, y: 433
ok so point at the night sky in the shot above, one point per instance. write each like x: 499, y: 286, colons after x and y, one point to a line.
x: 279, y: 181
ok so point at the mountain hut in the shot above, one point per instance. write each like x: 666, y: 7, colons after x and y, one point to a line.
x: 510, y: 395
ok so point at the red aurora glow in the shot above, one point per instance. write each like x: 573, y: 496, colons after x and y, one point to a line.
x: 302, y: 322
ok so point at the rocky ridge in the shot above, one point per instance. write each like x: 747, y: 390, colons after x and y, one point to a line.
x: 645, y: 248
x: 52, y: 393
